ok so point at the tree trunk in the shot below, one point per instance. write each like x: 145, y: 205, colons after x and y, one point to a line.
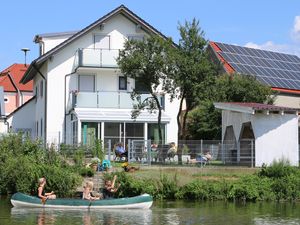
x: 179, y: 137
x: 184, y: 123
x: 159, y: 119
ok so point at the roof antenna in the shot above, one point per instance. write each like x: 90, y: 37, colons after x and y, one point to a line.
x: 25, y: 50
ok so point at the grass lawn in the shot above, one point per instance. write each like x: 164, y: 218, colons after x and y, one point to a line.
x: 186, y: 174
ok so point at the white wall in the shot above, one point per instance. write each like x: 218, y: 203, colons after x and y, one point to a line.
x: 51, y: 42
x: 287, y: 100
x: 61, y: 64
x: 276, y: 136
x: 171, y: 108
x: 24, y: 118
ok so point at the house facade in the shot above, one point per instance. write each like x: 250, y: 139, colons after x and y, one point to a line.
x: 81, y: 94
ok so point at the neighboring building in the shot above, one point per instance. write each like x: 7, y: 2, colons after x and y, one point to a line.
x: 277, y: 70
x: 15, y: 93
x: 256, y: 134
x: 81, y: 94
x: 3, y: 123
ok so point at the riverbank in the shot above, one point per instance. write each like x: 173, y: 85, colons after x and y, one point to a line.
x: 279, y: 182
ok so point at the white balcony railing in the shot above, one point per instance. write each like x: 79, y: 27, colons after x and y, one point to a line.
x: 103, y: 99
x: 88, y: 57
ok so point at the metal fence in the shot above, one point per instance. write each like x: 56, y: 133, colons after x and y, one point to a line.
x: 187, y: 152
x: 193, y: 152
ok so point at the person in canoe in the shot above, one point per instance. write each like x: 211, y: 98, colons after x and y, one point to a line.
x: 41, y: 191
x: 109, y: 188
x: 87, y: 189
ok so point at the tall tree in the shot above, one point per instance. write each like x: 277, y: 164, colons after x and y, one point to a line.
x: 147, y: 63
x: 204, y: 122
x: 193, y: 69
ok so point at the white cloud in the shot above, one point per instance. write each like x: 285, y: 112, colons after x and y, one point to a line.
x: 291, y: 48
x: 295, y: 34
x: 271, y: 46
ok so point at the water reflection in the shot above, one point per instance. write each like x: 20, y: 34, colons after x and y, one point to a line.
x: 173, y: 213
x: 86, y: 217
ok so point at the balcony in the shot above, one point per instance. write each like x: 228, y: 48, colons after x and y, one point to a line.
x: 96, y: 58
x: 100, y: 99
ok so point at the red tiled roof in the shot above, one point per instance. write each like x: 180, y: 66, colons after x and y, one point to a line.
x: 16, y: 71
x: 226, y: 65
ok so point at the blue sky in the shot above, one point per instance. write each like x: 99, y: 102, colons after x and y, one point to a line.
x: 266, y: 24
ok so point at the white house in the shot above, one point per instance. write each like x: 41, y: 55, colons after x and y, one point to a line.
x: 80, y: 92
x: 257, y: 134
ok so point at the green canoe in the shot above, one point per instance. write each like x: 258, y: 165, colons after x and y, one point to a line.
x: 139, y: 202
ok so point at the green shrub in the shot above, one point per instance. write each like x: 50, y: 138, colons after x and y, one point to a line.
x: 23, y: 161
x: 277, y: 169
x: 86, y: 171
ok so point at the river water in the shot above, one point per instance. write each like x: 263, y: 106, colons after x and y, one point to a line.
x: 173, y: 213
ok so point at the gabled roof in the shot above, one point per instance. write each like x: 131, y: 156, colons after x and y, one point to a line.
x: 252, y: 107
x: 16, y: 71
x: 279, y: 70
x: 119, y: 10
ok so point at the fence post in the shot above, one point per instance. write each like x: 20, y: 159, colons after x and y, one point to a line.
x: 129, y: 151
x: 149, y: 151
x: 252, y: 153
x: 222, y: 151
x: 109, y: 149
x: 201, y: 147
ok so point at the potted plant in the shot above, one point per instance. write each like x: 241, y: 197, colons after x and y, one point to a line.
x: 94, y: 164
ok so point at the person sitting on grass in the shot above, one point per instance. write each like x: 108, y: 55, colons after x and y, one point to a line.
x: 87, y: 189
x: 109, y: 188
x: 41, y: 191
x: 200, y: 159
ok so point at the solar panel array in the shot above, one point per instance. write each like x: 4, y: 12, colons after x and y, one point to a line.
x: 271, y: 68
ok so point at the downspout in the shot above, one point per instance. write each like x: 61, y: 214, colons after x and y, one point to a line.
x: 45, y: 105
x: 65, y: 101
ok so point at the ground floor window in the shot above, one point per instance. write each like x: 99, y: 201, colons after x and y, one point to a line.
x: 123, y: 132
x: 153, y: 133
x: 89, y: 132
x: 117, y: 132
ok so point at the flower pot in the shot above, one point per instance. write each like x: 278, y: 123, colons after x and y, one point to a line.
x: 94, y: 167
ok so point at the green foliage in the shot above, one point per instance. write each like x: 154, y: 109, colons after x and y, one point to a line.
x: 185, y: 149
x: 194, y: 69
x: 147, y: 63
x: 246, y: 188
x: 204, y: 122
x: 97, y: 149
x: 286, y: 179
x: 278, y: 169
x: 24, y: 161
x: 241, y: 88
x: 79, y: 156
x: 86, y: 171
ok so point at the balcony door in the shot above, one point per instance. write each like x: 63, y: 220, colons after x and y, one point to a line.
x: 86, y: 83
